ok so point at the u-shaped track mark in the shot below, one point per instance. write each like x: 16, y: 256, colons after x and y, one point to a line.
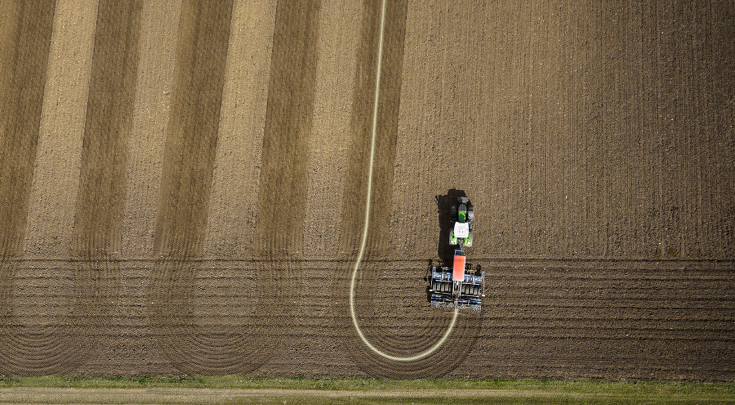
x: 428, y: 343
x: 191, y: 142
x: 66, y: 344
x: 353, y: 278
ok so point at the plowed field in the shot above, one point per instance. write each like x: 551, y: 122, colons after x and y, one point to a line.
x: 188, y: 186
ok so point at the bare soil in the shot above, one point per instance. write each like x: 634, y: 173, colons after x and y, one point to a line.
x: 217, y: 396
x: 202, y: 210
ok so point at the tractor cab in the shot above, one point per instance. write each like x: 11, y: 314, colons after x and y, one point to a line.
x: 462, y: 218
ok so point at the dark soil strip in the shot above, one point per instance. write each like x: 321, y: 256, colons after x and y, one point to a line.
x: 101, y: 201
x: 189, y: 156
x: 368, y: 306
x: 23, y: 66
x: 23, y: 63
x: 191, y: 135
x: 288, y: 124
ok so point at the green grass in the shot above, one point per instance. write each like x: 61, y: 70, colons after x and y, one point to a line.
x: 377, y: 391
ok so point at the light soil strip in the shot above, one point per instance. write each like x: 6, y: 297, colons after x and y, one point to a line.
x: 234, y: 199
x: 353, y: 280
x: 58, y: 157
x: 159, y: 25
x: 338, y: 42
x: 159, y: 29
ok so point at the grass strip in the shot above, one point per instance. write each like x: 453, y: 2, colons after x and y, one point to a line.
x: 381, y: 391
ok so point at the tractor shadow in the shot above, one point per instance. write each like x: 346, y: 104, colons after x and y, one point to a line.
x: 444, y: 205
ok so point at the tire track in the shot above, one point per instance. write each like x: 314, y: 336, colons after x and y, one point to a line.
x: 371, y: 303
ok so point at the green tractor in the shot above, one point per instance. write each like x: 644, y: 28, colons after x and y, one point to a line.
x: 461, y: 223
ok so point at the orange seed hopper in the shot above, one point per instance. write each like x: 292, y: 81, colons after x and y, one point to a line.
x: 458, y: 268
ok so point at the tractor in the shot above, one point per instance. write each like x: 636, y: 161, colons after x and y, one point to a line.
x: 462, y: 285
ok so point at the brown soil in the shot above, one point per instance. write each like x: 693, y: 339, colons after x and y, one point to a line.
x: 204, y: 214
